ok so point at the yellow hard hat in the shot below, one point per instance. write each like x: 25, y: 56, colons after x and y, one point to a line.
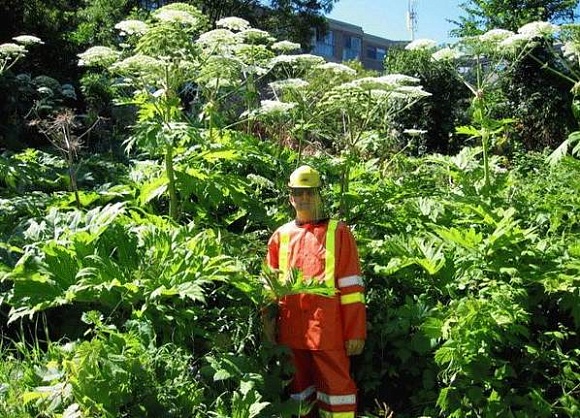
x: 304, y: 177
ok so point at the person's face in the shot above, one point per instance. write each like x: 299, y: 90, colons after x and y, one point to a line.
x: 305, y: 200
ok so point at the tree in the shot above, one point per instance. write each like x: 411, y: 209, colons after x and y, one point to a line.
x: 483, y: 15
x: 284, y: 19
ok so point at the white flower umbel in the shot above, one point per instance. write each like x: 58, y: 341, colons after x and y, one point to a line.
x: 269, y: 108
x: 138, y: 64
x: 12, y: 50
x: 412, y: 92
x: 289, y: 83
x: 300, y: 59
x: 516, y: 43
x: 286, y: 46
x: 337, y: 68
x: 98, y: 56
x: 255, y: 36
x: 571, y: 50
x: 415, y: 132
x: 27, y: 40
x: 132, y: 27
x: 445, y: 54
x: 495, y: 35
x: 388, y: 82
x: 539, y: 30
x: 422, y: 45
x: 176, y: 16
x: 399, y: 79
x: 217, y: 37
x: 274, y: 106
x: 233, y: 23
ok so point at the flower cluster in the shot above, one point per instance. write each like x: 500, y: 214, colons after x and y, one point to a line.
x: 98, y: 56
x: 12, y: 50
x: 217, y: 37
x: 176, y: 16
x: 132, y: 27
x: 515, y: 43
x: 421, y: 45
x: 233, y: 23
x: 415, y: 132
x: 571, y: 50
x: 495, y: 35
x: 27, y: 40
x: 286, y: 46
x: 307, y: 59
x: 445, y: 54
x: 254, y: 36
x: 337, y: 68
x: 539, y: 30
x: 139, y: 63
x: 289, y: 83
x: 269, y: 108
x: 387, y: 82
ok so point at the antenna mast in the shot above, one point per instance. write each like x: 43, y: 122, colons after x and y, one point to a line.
x: 412, y: 17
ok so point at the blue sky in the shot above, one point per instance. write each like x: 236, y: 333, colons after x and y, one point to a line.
x: 388, y: 18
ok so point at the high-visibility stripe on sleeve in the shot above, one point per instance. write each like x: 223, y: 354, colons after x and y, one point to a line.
x: 352, y: 298
x: 330, y: 252
x: 336, y: 399
x: 350, y: 281
x: 283, y: 254
x: 305, y: 394
x: 329, y: 414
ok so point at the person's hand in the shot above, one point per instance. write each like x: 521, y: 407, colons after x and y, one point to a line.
x: 354, y: 347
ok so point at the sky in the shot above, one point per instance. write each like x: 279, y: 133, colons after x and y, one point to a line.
x: 388, y: 18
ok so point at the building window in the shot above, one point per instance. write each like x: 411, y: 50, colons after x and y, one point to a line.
x: 324, y: 45
x: 352, y: 48
x: 375, y: 53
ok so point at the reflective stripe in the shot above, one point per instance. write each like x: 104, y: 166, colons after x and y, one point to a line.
x: 352, y: 298
x: 305, y: 394
x: 336, y: 399
x: 328, y: 414
x: 283, y: 255
x: 330, y: 244
x: 350, y: 281
x: 330, y: 251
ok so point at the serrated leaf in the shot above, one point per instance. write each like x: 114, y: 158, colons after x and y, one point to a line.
x: 152, y: 190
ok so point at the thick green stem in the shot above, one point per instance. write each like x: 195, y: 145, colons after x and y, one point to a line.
x: 485, y: 146
x: 169, y: 171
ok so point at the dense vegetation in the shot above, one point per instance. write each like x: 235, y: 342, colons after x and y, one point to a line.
x: 131, y: 258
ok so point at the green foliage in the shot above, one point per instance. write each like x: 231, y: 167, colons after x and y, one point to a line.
x: 472, y: 261
x: 437, y: 114
x: 505, y: 14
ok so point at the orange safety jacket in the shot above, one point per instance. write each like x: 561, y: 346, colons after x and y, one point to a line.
x: 325, y: 251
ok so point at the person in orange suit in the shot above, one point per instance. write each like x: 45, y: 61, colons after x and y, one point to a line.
x: 321, y: 331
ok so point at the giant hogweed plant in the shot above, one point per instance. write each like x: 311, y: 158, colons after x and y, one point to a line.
x: 563, y: 45
x: 182, y: 79
x: 126, y: 264
x: 330, y: 103
x: 479, y: 63
x: 12, y: 52
x: 489, y: 281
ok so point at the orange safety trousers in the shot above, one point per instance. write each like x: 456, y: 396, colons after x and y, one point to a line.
x: 323, y: 377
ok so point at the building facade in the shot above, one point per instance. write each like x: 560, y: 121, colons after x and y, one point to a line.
x: 344, y: 42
